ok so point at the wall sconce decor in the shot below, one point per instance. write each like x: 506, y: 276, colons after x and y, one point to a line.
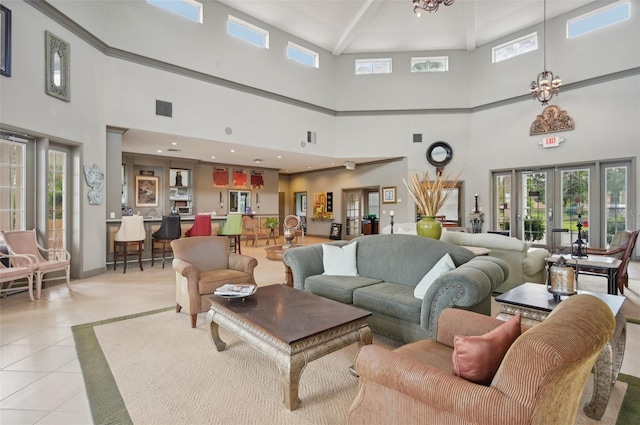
x: 95, y: 180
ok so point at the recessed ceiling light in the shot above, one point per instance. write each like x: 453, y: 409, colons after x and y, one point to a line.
x: 279, y: 156
x: 213, y: 157
x: 232, y: 150
x: 258, y: 160
x: 159, y: 151
x: 174, y: 143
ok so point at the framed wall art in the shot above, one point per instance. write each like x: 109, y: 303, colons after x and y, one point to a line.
x: 5, y: 41
x: 57, y: 67
x: 146, y: 191
x: 389, y: 195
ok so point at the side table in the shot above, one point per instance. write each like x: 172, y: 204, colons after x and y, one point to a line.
x: 534, y: 303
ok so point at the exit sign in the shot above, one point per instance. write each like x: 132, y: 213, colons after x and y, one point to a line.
x: 551, y: 142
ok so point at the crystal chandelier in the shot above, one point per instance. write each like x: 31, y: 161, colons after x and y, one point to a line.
x: 429, y: 5
x: 546, y: 85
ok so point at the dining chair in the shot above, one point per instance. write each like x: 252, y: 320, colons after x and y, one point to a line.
x: 293, y: 223
x: 17, y: 272
x: 129, y: 239
x: 201, y: 226
x: 161, y: 239
x: 621, y: 247
x: 25, y: 242
x: 251, y: 232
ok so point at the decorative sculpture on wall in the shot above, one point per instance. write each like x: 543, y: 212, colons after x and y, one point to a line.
x: 95, y: 179
x: 552, y: 120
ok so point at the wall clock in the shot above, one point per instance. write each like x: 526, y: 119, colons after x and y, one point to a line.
x: 439, y: 154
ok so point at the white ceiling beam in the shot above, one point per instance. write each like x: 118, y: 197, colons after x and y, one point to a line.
x: 470, y: 24
x: 348, y: 33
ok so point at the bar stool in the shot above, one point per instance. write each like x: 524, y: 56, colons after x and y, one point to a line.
x: 201, y: 226
x: 233, y: 230
x: 169, y: 230
x: 130, y: 237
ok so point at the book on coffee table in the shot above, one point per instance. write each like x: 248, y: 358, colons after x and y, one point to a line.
x: 232, y: 290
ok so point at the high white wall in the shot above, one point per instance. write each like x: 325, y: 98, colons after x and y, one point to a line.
x: 120, y: 93
x: 24, y: 105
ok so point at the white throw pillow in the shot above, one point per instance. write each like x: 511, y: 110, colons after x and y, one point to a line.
x: 340, y: 261
x: 443, y: 265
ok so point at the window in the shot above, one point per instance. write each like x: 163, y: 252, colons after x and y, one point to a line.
x: 516, y: 47
x: 373, y: 66
x: 56, y: 203
x: 302, y: 55
x: 598, y: 19
x: 189, y: 9
x: 433, y: 64
x: 247, y: 32
x: 12, y: 185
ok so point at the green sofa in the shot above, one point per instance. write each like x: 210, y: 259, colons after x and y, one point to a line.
x: 389, y: 268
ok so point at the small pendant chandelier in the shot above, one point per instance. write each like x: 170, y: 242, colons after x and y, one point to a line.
x: 546, y: 85
x: 429, y: 5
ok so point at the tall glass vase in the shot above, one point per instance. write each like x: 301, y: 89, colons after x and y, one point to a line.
x: 430, y: 227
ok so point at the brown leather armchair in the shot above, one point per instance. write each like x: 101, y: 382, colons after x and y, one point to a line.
x: 540, y: 380
x: 203, y: 264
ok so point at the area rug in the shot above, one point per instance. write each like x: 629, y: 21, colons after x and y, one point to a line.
x: 153, y: 368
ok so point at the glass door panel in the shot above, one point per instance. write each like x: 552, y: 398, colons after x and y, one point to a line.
x: 615, y: 202
x: 502, y: 202
x: 575, y: 201
x: 57, y: 199
x: 353, y: 213
x: 534, y: 207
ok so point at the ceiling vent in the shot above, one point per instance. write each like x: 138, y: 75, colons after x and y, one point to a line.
x: 164, y: 109
x: 311, y: 137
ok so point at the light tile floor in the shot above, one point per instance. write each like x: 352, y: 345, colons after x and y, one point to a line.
x: 40, y: 378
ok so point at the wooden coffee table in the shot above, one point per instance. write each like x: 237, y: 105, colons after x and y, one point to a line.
x: 534, y: 302
x: 291, y: 326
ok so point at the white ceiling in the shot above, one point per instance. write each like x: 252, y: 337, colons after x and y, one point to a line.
x: 359, y: 26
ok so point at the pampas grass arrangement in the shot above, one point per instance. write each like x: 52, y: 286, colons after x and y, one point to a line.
x: 430, y: 195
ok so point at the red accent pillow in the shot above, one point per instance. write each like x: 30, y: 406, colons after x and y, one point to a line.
x: 477, y: 358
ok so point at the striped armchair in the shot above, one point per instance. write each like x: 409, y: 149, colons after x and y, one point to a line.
x: 539, y: 382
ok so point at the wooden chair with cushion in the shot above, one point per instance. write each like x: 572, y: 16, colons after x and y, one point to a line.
x: 202, y: 264
x: 538, y: 382
x: 201, y: 226
x: 25, y: 242
x: 621, y: 247
x: 232, y: 229
x: 293, y: 222
x: 161, y: 239
x: 251, y: 232
x: 23, y: 268
x: 129, y: 239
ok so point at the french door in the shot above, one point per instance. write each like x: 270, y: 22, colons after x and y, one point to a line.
x: 547, y: 206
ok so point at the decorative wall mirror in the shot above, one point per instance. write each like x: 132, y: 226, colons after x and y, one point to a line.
x: 57, y: 63
x: 239, y: 200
